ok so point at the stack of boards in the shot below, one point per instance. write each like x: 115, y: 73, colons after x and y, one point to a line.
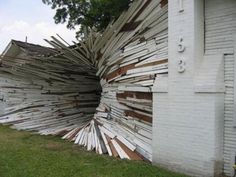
x: 126, y: 59
x: 50, y: 95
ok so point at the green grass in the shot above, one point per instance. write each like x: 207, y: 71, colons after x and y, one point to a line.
x: 23, y: 154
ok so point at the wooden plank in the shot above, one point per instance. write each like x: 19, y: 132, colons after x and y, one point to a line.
x: 113, y: 149
x: 60, y: 93
x: 132, y: 155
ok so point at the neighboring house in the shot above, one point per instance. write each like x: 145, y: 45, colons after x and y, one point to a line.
x: 182, y: 117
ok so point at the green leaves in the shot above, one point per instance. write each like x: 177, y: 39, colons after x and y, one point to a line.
x: 93, y: 13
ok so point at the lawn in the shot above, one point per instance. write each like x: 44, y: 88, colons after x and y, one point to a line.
x: 23, y: 154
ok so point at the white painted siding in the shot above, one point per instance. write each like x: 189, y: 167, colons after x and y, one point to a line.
x: 220, y: 27
x: 230, y: 131
x: 220, y: 21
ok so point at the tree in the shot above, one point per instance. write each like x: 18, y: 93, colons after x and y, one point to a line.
x: 87, y: 13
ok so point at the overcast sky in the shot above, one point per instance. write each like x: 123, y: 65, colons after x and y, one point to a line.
x: 31, y: 18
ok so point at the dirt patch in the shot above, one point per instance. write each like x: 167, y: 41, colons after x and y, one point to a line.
x: 53, y: 146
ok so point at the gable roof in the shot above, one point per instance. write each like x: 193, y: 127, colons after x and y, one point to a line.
x: 34, y: 49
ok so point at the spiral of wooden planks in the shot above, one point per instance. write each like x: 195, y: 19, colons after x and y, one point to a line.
x: 98, y: 92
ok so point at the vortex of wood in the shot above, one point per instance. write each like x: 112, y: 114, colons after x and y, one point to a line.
x: 96, y: 93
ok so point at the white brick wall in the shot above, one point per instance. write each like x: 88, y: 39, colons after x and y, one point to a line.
x: 188, y: 125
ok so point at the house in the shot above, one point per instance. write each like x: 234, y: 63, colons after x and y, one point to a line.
x: 196, y: 104
x: 37, y: 93
x: 158, y: 85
